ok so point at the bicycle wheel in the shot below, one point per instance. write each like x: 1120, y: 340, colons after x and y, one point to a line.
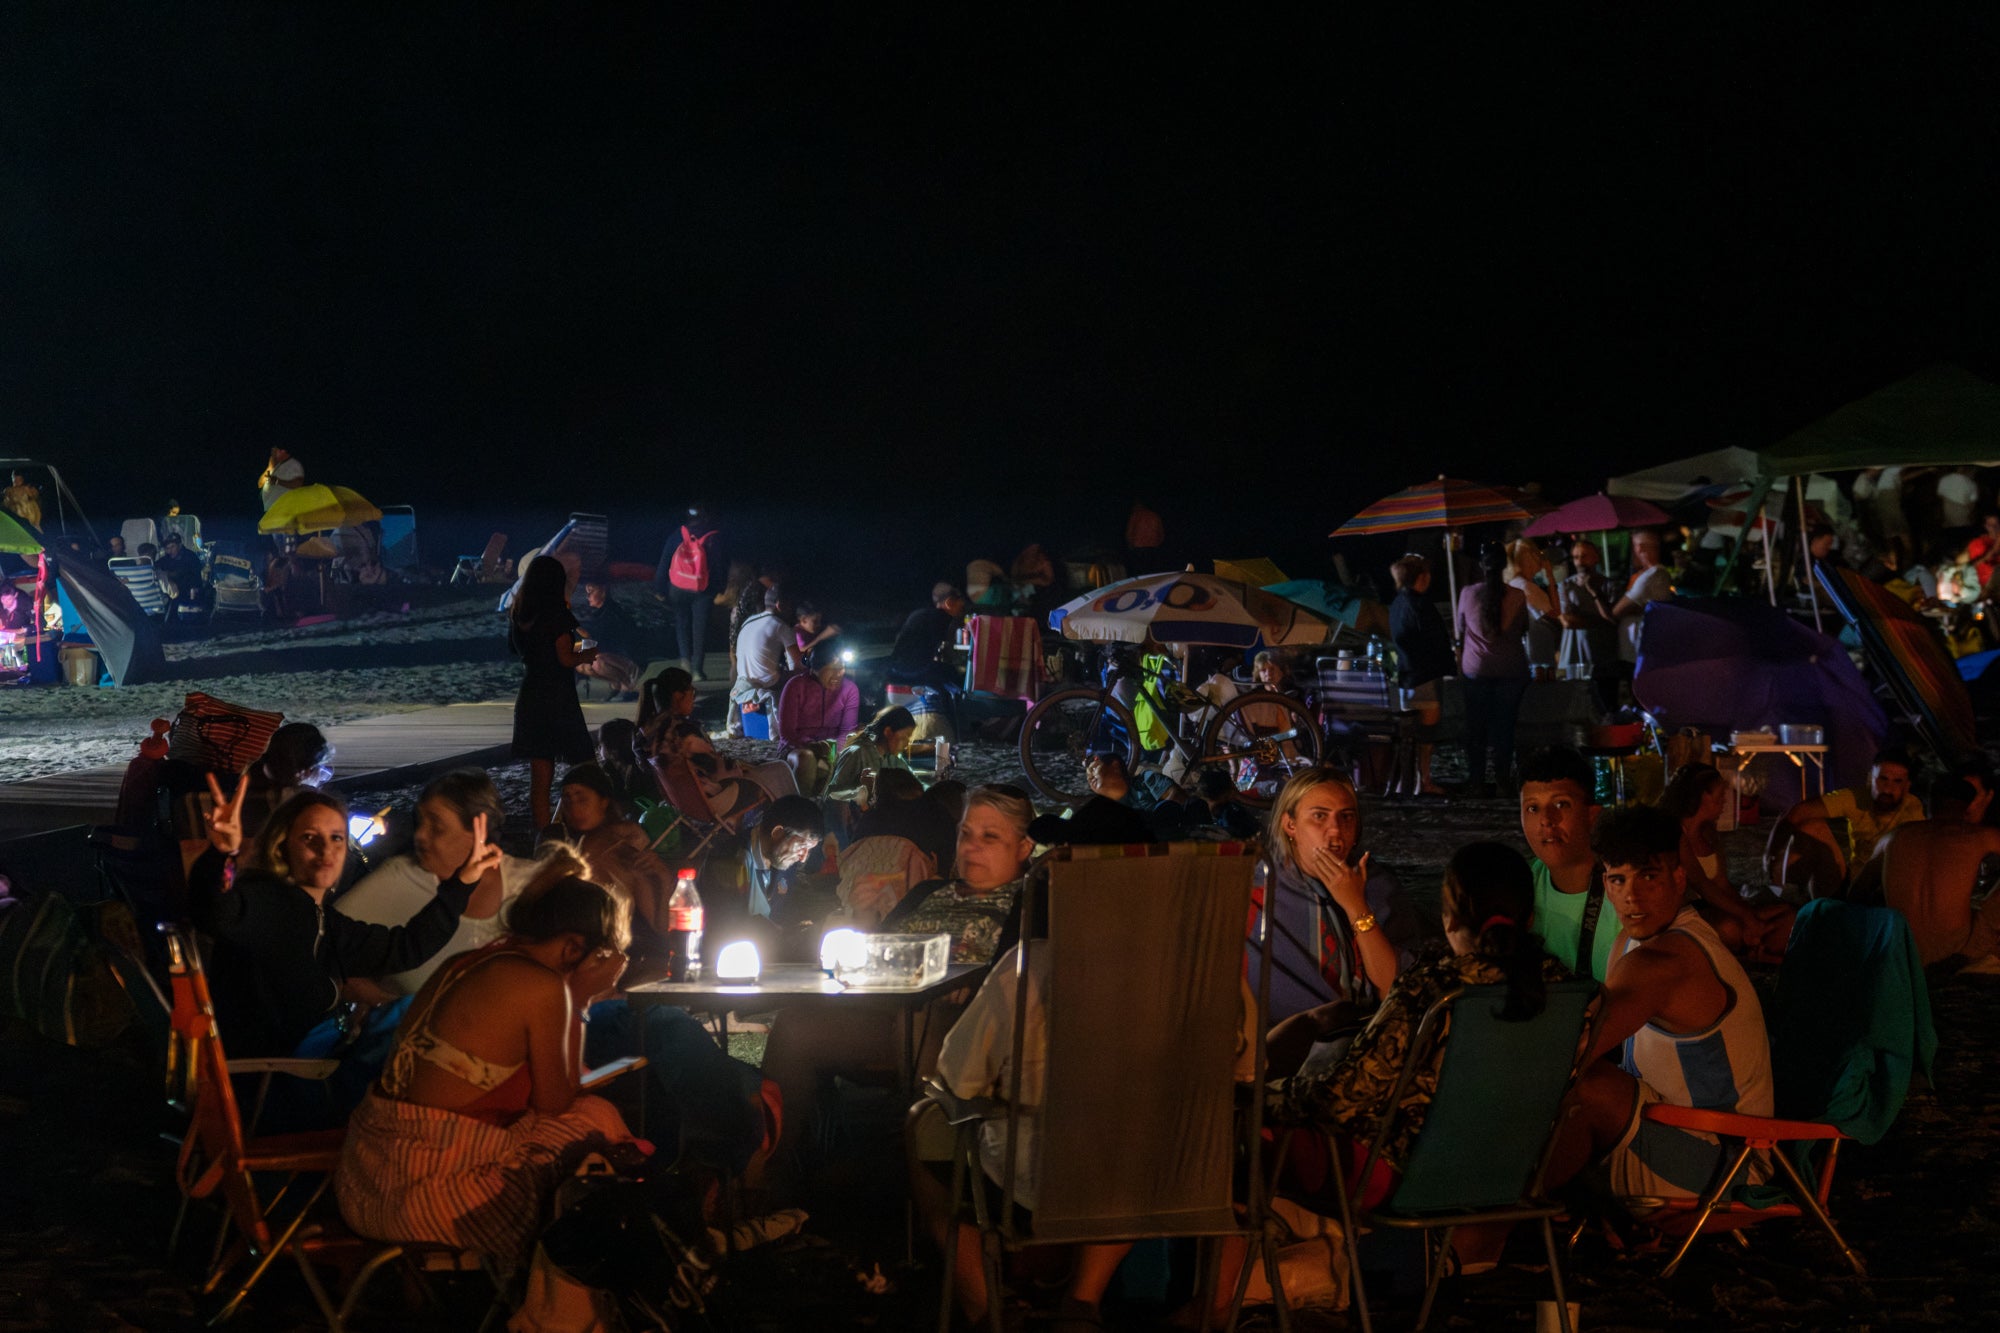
x: 1065, y: 727
x: 1263, y: 738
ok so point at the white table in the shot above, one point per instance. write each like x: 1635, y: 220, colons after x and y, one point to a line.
x: 793, y: 983
x: 1809, y: 759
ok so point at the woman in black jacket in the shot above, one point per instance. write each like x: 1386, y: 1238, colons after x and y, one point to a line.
x: 280, y: 956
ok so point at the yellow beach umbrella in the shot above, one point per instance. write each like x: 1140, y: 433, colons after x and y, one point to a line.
x: 317, y: 508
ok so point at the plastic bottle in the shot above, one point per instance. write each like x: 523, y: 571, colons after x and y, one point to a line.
x: 684, y: 923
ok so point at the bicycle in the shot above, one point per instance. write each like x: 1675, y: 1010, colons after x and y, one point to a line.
x: 1260, y: 737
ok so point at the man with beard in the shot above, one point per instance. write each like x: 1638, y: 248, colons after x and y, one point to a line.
x: 1805, y: 849
x: 1558, y: 811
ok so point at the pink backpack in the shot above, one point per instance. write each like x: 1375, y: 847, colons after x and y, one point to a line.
x: 688, y: 569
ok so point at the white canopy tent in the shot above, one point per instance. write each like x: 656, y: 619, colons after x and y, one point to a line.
x: 1671, y: 481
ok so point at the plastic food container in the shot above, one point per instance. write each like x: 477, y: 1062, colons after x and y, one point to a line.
x: 1802, y: 735
x: 896, y: 962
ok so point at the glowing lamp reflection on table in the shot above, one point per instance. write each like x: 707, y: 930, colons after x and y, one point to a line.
x: 738, y: 962
x: 842, y: 948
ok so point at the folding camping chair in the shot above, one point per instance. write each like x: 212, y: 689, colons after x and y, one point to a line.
x: 187, y: 526
x: 139, y: 532
x: 484, y: 567
x: 219, y: 1157
x: 190, y: 1024
x: 1841, y: 1067
x: 1136, y: 1127
x: 587, y: 537
x: 1362, y: 710
x: 681, y: 788
x: 399, y: 537
x: 235, y: 587
x: 136, y: 573
x: 1486, y: 1137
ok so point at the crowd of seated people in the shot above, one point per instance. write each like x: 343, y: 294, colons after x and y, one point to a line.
x: 478, y: 967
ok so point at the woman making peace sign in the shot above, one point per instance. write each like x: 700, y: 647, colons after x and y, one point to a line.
x: 280, y: 956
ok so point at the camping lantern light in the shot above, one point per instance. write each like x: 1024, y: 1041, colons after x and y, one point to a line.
x: 364, y: 829
x: 842, y: 948
x: 738, y: 962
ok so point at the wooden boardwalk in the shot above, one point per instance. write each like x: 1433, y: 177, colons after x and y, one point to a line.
x: 375, y: 752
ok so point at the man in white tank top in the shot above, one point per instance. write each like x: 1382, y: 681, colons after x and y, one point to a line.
x: 1680, y: 1021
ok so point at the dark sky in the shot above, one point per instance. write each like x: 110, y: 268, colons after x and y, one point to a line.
x: 1264, y: 270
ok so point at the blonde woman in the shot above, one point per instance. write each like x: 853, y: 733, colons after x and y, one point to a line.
x: 1342, y: 931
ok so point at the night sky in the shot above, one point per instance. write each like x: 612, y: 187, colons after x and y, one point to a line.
x: 979, y: 276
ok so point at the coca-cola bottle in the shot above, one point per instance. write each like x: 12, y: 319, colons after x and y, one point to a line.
x: 684, y: 930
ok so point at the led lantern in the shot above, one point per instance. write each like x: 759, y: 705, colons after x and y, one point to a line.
x: 738, y: 962
x: 842, y: 948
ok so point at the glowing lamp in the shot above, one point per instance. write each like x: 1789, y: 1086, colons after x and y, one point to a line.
x: 364, y: 829
x: 847, y: 655
x: 738, y: 962
x: 842, y: 948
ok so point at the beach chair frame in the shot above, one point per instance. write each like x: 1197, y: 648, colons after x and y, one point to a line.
x: 1483, y: 1153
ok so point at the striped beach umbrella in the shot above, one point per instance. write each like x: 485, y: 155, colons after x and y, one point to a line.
x: 1908, y: 651
x: 1444, y: 503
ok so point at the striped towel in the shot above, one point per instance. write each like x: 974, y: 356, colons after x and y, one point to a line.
x: 1006, y: 657
x: 418, y: 1173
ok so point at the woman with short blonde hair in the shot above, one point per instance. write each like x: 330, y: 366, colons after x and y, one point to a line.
x: 1342, y: 929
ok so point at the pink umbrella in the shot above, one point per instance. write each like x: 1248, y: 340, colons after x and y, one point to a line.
x: 1597, y: 513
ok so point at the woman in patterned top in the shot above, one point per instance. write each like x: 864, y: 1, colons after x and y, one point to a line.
x: 1488, y: 896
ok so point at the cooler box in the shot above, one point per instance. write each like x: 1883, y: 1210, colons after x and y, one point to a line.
x: 80, y: 664
x: 756, y: 726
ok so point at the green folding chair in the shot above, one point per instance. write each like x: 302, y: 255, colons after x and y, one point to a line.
x: 1486, y: 1136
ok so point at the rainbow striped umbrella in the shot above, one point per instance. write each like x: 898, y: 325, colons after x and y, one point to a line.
x: 1444, y: 503
x: 1908, y: 652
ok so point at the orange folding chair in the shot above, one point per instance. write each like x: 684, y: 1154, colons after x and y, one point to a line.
x: 1850, y: 1028
x: 218, y: 1160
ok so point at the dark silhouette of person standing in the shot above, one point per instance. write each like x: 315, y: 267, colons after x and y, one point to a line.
x: 548, y: 721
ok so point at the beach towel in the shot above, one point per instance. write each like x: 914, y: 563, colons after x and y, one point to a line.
x: 1006, y: 657
x: 419, y: 1173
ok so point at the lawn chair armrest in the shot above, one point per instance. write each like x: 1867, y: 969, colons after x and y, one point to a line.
x: 596, y: 1078
x: 963, y: 1110
x: 1761, y: 1131
x: 285, y: 1064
